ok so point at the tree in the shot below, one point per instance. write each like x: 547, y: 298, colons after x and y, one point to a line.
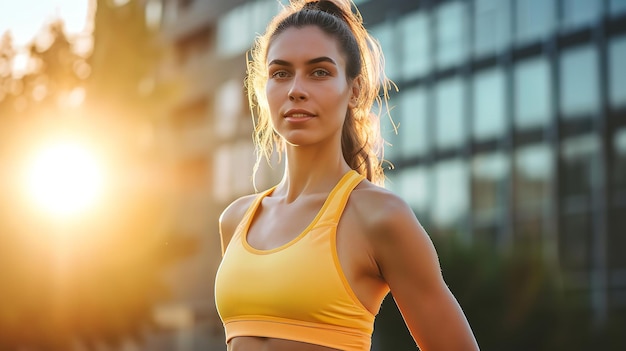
x: 94, y: 280
x: 7, y: 55
x: 124, y: 65
x: 513, y: 301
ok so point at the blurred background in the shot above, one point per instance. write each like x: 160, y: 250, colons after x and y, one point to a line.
x: 125, y: 131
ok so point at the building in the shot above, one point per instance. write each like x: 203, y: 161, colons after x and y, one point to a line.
x: 512, y: 130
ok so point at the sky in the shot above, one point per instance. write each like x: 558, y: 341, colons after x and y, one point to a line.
x: 25, y: 18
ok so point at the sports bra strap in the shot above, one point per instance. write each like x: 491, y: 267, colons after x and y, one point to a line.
x: 338, y: 198
x: 246, y: 217
x: 332, y: 209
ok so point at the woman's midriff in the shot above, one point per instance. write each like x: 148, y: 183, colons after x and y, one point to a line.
x: 252, y: 343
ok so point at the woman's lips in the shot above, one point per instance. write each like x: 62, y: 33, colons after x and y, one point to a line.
x: 298, y: 115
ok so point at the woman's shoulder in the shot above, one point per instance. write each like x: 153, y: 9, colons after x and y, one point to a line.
x: 379, y: 209
x: 232, y: 216
x: 391, y: 229
x: 235, y: 211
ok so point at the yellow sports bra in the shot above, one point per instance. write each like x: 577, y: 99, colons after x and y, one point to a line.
x: 297, y: 291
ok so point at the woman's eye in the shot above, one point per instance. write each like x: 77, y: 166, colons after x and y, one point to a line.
x: 279, y: 74
x: 320, y: 73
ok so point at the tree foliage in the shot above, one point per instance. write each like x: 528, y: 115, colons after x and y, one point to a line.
x: 513, y: 301
x: 97, y: 279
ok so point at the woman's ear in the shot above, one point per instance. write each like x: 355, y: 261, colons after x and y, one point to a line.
x: 355, y: 92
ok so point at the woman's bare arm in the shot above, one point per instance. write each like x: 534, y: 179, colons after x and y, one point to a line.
x: 410, y: 266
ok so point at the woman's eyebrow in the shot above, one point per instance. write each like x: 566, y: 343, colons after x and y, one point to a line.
x: 309, y: 62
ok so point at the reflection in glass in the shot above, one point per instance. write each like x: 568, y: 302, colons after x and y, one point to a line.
x: 451, y: 34
x: 580, y: 165
x: 492, y: 30
x: 414, y: 187
x: 533, y: 93
x: 413, y: 123
x: 534, y: 19
x: 489, y: 104
x: 450, y: 106
x: 416, y: 51
x: 577, y: 13
x: 580, y: 94
x: 617, y: 72
x: 451, y: 194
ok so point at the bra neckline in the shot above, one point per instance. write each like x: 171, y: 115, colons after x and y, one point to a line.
x: 255, y: 206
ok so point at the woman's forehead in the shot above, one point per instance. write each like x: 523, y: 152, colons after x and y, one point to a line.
x: 304, y: 44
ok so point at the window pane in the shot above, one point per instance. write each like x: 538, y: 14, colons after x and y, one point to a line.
x: 385, y: 33
x: 388, y: 131
x: 533, y: 188
x: 617, y: 72
x: 533, y: 93
x: 243, y: 152
x: 533, y: 178
x: 392, y: 181
x: 492, y: 31
x: 534, y: 19
x: 223, y: 160
x: 489, y: 104
x: 575, y: 241
x: 617, y: 239
x: 451, y: 194
x: 580, y: 165
x: 577, y: 13
x: 619, y: 163
x: 228, y: 108
x: 489, y: 187
x: 451, y: 34
x: 414, y: 189
x: 617, y: 6
x: 237, y: 28
x: 413, y: 128
x: 449, y: 113
x: 416, y: 50
x: 579, y: 82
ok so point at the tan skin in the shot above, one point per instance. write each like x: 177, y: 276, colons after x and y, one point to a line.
x: 381, y: 245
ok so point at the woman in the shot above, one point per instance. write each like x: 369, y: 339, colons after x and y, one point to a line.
x: 308, y: 262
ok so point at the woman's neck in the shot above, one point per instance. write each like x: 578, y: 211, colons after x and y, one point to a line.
x: 310, y: 172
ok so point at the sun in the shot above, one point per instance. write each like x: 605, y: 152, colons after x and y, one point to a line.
x: 64, y: 179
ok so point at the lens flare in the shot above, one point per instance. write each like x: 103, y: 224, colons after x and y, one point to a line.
x: 64, y: 179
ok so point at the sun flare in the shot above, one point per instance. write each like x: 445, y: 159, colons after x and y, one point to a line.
x: 64, y: 179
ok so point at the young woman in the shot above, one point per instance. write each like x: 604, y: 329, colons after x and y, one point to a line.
x: 308, y: 262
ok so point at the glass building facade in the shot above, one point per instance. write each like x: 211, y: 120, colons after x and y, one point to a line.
x: 511, y: 115
x: 512, y: 118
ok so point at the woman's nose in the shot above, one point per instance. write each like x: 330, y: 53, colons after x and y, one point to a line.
x: 297, y: 90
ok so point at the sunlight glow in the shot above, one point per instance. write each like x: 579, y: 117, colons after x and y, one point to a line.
x: 25, y: 18
x: 64, y: 179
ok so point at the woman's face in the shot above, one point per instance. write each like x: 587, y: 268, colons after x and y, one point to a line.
x: 307, y: 89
